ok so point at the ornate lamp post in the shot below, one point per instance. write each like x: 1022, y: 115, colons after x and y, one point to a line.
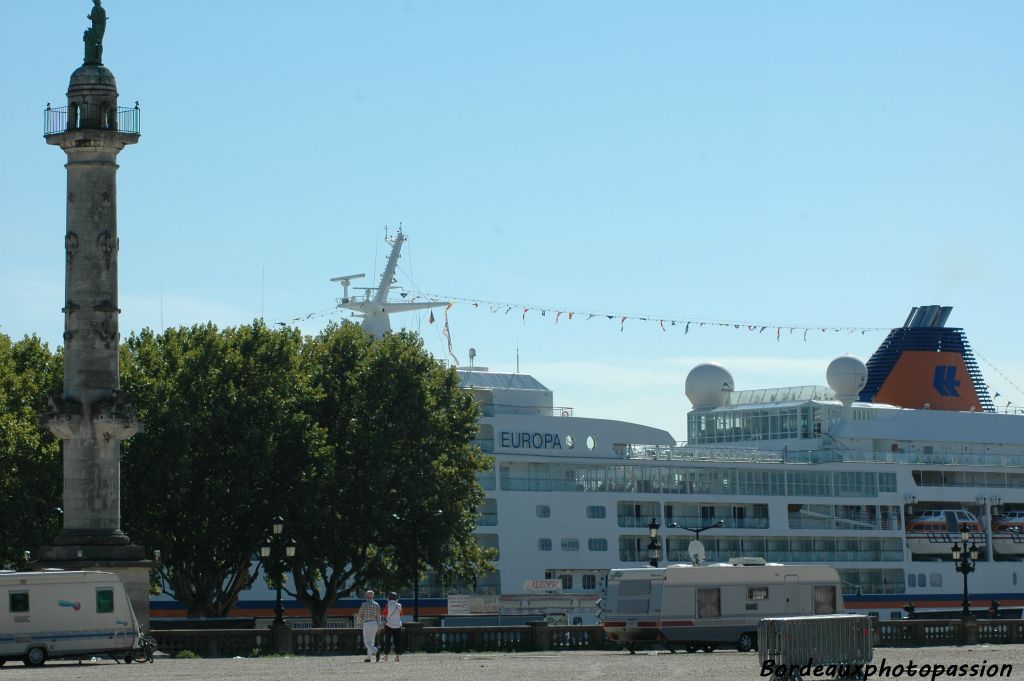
x: 965, y: 559
x: 274, y: 554
x: 654, y: 547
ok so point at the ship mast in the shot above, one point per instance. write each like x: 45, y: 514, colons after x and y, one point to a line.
x: 374, y: 307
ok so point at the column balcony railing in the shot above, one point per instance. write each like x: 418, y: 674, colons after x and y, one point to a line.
x: 61, y: 119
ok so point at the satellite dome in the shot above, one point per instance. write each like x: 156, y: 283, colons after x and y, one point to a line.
x: 708, y: 385
x: 847, y: 376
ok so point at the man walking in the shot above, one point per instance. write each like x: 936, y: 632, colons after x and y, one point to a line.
x: 368, y: 618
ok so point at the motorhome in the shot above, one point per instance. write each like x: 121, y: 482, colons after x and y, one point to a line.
x: 58, y: 614
x: 710, y: 606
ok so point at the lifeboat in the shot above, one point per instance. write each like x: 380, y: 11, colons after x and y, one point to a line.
x: 1008, y: 535
x: 931, y: 534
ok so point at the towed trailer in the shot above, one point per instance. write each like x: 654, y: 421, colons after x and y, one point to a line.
x: 57, y: 614
x: 712, y: 606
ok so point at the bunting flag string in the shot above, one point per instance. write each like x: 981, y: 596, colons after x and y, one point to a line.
x: 663, y: 321
x: 1006, y: 378
x: 560, y: 312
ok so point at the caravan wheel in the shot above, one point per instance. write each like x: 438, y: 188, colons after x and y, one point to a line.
x: 746, y: 642
x: 691, y: 647
x: 35, y: 657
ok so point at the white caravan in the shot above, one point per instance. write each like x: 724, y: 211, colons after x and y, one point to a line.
x: 704, y: 607
x: 54, y: 614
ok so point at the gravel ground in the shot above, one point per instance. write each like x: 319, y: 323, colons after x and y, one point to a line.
x: 612, y: 666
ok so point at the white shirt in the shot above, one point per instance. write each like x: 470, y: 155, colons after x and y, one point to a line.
x: 394, y: 619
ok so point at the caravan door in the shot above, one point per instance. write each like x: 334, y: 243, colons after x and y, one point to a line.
x: 792, y: 593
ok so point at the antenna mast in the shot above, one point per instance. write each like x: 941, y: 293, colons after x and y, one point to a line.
x: 374, y: 307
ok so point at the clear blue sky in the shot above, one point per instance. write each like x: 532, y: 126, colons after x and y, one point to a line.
x: 785, y: 163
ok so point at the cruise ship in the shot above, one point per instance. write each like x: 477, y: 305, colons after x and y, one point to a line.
x: 876, y: 474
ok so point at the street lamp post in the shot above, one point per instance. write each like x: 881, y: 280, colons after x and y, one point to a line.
x: 654, y: 547
x: 274, y: 553
x: 965, y: 559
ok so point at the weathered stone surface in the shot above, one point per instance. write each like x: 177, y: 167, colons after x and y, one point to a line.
x: 91, y: 415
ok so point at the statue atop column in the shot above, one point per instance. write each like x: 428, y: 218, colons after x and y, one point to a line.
x: 94, y: 36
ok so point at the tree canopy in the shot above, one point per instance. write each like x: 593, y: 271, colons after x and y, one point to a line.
x: 402, y: 477
x: 30, y: 465
x: 357, y: 442
x: 226, y: 444
x: 364, y: 446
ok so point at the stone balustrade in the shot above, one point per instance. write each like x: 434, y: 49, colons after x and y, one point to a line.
x: 535, y: 636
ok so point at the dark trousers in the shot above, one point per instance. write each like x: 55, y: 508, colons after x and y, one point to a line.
x: 392, y: 637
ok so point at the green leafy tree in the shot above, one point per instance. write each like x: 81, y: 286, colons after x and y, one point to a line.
x: 402, y: 475
x: 227, y: 446
x: 30, y: 464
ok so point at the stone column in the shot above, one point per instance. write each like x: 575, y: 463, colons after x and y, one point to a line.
x: 91, y: 415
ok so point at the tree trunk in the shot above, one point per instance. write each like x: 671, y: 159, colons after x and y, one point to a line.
x: 318, y: 611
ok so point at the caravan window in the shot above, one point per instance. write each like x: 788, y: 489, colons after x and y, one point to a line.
x: 19, y: 601
x: 104, y: 600
x: 709, y: 603
x: 757, y: 593
x: 824, y: 600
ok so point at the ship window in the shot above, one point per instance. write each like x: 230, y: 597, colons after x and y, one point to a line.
x: 920, y: 579
x: 596, y: 512
x: 597, y: 544
x: 757, y: 593
x: 104, y: 600
x: 487, y: 515
x: 912, y: 580
x: 935, y: 579
x: 824, y: 600
x: 570, y: 441
x: 544, y: 544
x: 570, y: 544
x: 709, y: 603
x: 1015, y: 579
x: 18, y: 601
x: 591, y: 442
x: 543, y: 511
x: 566, y: 582
x: 589, y: 581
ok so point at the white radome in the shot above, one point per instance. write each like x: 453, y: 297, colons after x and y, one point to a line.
x: 708, y: 385
x: 846, y: 375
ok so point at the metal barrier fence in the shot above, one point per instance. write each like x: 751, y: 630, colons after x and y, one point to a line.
x: 535, y: 636
x: 823, y: 639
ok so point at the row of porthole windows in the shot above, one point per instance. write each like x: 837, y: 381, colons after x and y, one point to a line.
x: 544, y: 511
x: 570, y: 442
x: 573, y: 544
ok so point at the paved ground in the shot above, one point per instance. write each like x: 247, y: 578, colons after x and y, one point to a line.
x: 718, y: 666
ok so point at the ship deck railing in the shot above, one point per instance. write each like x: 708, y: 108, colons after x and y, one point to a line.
x: 700, y: 453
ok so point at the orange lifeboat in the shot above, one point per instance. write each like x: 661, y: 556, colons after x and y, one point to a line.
x: 932, y: 533
x: 1008, y: 535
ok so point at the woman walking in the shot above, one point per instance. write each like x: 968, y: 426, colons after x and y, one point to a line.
x: 392, y: 626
